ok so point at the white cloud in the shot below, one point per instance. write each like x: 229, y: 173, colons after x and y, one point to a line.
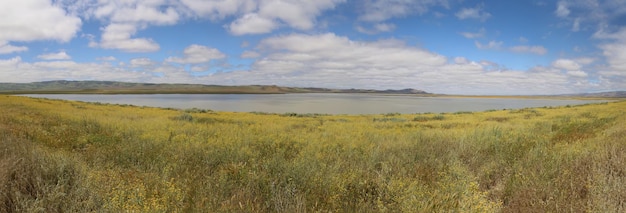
x: 217, y: 10
x: 473, y: 13
x: 461, y: 60
x: 106, y: 58
x: 491, y: 45
x: 10, y: 64
x: 7, y: 48
x: 297, y: 14
x: 145, y: 14
x: 118, y: 36
x: 377, y: 28
x: 141, y: 62
x: 55, y: 56
x: 539, y: 50
x: 199, y: 68
x: 31, y: 20
x: 561, y: 9
x: 615, y: 55
x: 196, y: 54
x: 577, y: 73
x: 252, y: 24
x: 497, y: 45
x: 15, y: 70
x: 588, y: 14
x: 250, y: 54
x: 572, y: 67
x: 566, y: 64
x: 614, y: 49
x: 155, y: 12
x: 126, y: 17
x: 382, y: 10
x: 470, y: 35
x: 384, y: 27
x: 584, y: 60
x: 266, y: 16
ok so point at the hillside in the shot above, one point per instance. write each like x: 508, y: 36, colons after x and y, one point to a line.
x: 111, y: 87
x: 612, y: 94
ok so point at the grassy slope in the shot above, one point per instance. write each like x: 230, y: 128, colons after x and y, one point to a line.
x: 70, y: 156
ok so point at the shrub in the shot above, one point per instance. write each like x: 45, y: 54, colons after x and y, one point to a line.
x: 184, y: 117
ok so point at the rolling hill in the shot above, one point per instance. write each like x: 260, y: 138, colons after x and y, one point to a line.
x: 112, y: 87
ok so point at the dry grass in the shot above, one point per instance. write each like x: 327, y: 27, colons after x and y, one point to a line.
x: 62, y: 156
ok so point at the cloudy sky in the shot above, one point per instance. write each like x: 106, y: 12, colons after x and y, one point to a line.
x: 440, y: 46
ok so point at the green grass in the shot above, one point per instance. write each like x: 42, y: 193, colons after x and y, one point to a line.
x: 64, y: 156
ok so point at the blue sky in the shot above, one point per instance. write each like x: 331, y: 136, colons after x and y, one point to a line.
x: 441, y: 46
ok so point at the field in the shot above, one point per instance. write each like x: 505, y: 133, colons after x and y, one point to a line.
x: 63, y: 156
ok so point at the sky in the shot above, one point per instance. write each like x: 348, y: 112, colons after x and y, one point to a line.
x: 490, y: 47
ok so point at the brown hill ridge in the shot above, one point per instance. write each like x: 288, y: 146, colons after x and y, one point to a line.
x: 113, y: 87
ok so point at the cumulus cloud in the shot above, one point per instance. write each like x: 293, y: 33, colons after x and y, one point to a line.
x: 125, y: 18
x: 217, y: 10
x: 539, y: 50
x: 141, y: 62
x: 119, y: 36
x: 461, y: 60
x: 142, y: 13
x: 473, y: 13
x: 55, y: 56
x: 577, y: 73
x: 7, y: 48
x: 250, y: 54
x: 615, y: 54
x: 252, y: 24
x: 196, y: 54
x: 566, y: 64
x: 614, y: 49
x: 16, y: 70
x: 584, y: 60
x: 10, y: 64
x: 106, y: 58
x: 266, y: 16
x: 31, y: 20
x: 572, y: 67
x: 382, y: 10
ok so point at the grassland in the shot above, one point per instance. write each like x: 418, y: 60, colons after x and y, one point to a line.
x: 63, y: 156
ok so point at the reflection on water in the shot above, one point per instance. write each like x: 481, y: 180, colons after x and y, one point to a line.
x: 319, y: 103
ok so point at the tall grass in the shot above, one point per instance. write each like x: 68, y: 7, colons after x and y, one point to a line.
x: 62, y: 156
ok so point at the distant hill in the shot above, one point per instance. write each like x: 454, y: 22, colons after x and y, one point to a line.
x: 113, y: 87
x: 613, y: 94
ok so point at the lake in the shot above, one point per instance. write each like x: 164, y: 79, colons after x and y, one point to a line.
x: 319, y: 103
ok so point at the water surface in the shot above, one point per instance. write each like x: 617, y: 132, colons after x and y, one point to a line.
x: 319, y: 103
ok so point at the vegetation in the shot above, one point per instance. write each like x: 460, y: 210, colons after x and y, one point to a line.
x: 64, y: 156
